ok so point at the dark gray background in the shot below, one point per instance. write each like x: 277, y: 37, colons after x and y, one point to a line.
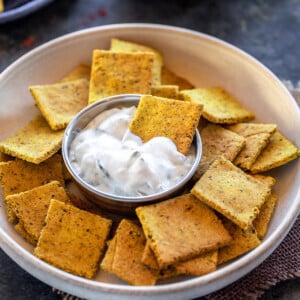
x: 268, y: 30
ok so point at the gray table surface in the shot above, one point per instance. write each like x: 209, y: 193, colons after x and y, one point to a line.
x: 269, y: 30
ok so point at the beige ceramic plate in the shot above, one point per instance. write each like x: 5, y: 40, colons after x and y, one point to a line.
x: 205, y: 61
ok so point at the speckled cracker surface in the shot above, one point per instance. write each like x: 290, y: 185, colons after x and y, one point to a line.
x: 180, y: 229
x: 72, y: 239
x: 242, y: 242
x: 257, y: 137
x: 128, y: 46
x: 278, y: 152
x: 60, y: 102
x: 175, y: 119
x: 232, y: 192
x: 120, y: 73
x: 35, y: 142
x: 82, y: 71
x: 31, y: 206
x: 166, y: 91
x: 22, y: 231
x: 17, y: 176
x: 217, y: 141
x: 124, y: 253
x: 219, y: 106
x: 169, y: 77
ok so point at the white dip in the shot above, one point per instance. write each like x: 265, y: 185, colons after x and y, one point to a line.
x: 113, y: 160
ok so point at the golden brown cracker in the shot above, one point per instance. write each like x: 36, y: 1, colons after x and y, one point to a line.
x: 165, y: 91
x: 125, y: 253
x: 35, y: 142
x: 120, y: 73
x: 157, y: 116
x: 72, y: 239
x: 231, y: 192
x: 60, y: 102
x: 169, y: 77
x: 217, y: 141
x: 81, y: 71
x: 119, y: 45
x: 172, y: 241
x: 219, y: 106
x: 22, y: 231
x: 278, y: 152
x: 261, y: 222
x: 4, y: 157
x: 31, y: 206
x: 242, y: 242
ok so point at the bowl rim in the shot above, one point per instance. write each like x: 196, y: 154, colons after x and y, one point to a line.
x: 37, y: 267
x: 69, y: 136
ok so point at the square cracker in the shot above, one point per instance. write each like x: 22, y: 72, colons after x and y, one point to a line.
x: 60, y: 102
x: 35, y: 142
x: 169, y: 77
x: 17, y: 176
x: 278, y: 152
x: 157, y: 116
x: 124, y: 253
x: 118, y: 45
x: 31, y: 206
x: 120, y: 73
x: 166, y: 91
x: 217, y: 141
x: 72, y: 239
x: 82, y: 71
x: 219, y: 106
x: 232, y: 192
x: 171, y: 241
x: 257, y: 137
x: 242, y: 242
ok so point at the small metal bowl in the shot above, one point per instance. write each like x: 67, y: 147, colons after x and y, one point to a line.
x: 114, y: 203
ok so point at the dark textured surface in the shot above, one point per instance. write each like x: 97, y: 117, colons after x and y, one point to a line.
x: 268, y: 30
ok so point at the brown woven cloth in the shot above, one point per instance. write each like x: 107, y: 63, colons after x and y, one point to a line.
x: 281, y: 265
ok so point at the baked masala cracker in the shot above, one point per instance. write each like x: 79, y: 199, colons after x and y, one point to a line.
x: 81, y: 71
x: 60, y: 102
x: 219, y: 106
x: 233, y: 193
x: 166, y: 91
x: 35, y: 142
x: 175, y: 119
x: 198, y: 231
x: 118, y: 45
x: 116, y: 73
x: 72, y: 239
x: 168, y: 77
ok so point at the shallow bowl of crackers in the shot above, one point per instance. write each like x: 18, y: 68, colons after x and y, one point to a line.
x: 236, y: 208
x: 116, y: 169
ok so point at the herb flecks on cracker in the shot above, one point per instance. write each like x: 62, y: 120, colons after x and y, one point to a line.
x: 157, y: 116
x: 219, y: 106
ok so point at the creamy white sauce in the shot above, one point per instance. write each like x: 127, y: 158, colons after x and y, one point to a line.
x: 115, y: 161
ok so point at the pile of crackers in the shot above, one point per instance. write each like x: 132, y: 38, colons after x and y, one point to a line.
x: 223, y: 213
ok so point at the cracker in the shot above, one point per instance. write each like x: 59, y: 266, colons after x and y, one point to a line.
x: 171, y: 241
x: 257, y: 137
x: 22, y: 231
x: 157, y: 116
x: 72, y: 239
x: 60, y: 102
x: 242, y: 242
x: 35, y: 142
x: 169, y: 77
x: 31, y: 206
x: 82, y: 71
x: 166, y: 91
x: 261, y: 222
x: 232, y: 192
x: 4, y: 157
x: 219, y: 106
x: 124, y: 253
x: 217, y: 142
x: 120, y: 73
x: 278, y: 152
x: 17, y: 176
x: 127, y: 46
